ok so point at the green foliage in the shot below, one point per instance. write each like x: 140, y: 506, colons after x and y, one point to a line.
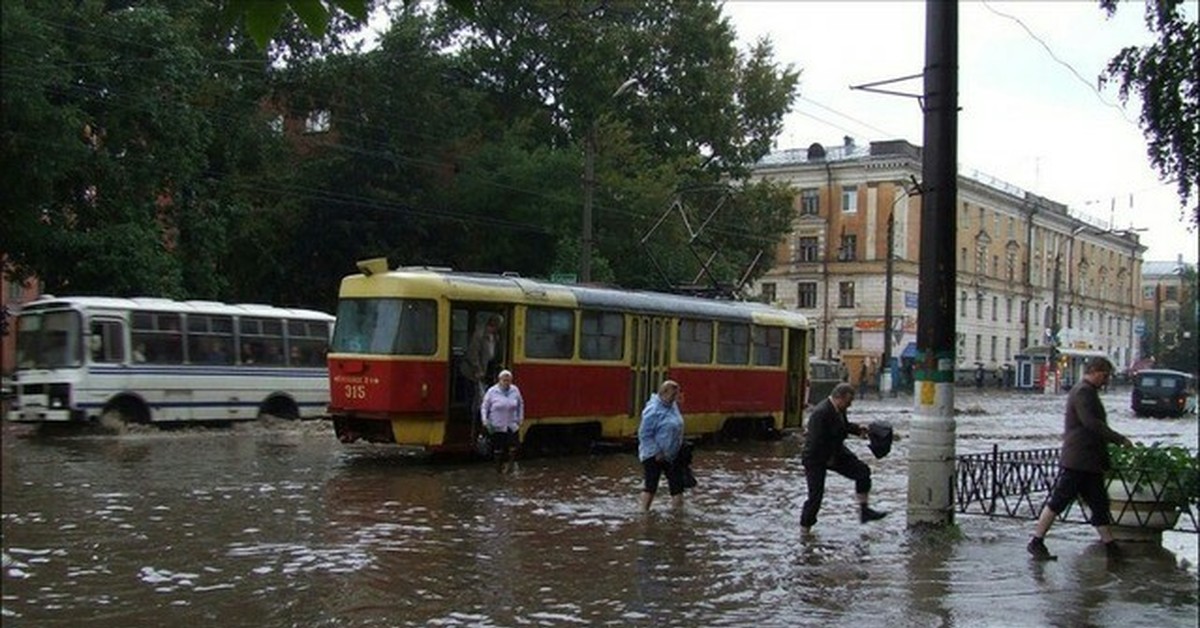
x: 151, y: 167
x: 1172, y: 470
x: 1164, y: 77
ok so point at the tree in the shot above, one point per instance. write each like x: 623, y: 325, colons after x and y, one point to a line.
x: 701, y: 115
x: 1164, y: 77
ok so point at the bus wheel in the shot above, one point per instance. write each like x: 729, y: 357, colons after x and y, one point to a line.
x: 279, y: 407
x: 121, y: 412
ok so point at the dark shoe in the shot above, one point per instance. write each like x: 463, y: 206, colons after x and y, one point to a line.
x: 1037, y: 547
x: 866, y: 513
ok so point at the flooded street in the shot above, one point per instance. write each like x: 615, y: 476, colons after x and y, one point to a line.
x: 280, y: 525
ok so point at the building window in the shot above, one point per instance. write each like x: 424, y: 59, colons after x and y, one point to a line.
x: 1148, y: 293
x: 849, y: 198
x: 276, y: 125
x: 1008, y: 310
x: 810, y: 202
x: 962, y: 306
x: 993, y: 349
x: 807, y: 249
x: 806, y: 294
x: 995, y: 307
x: 1172, y: 293
x: 768, y: 293
x: 1007, y: 349
x: 847, y: 252
x: 845, y: 338
x: 979, y: 305
x: 846, y: 294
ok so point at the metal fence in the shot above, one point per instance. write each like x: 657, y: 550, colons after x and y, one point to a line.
x: 1018, y: 483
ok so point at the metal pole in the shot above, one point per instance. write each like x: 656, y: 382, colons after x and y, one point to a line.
x: 885, y: 377
x: 1055, y: 326
x: 931, y: 454
x: 589, y: 184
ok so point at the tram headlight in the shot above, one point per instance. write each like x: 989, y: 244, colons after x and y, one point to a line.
x: 58, y: 395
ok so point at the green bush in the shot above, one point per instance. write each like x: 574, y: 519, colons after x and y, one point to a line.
x: 1171, y: 471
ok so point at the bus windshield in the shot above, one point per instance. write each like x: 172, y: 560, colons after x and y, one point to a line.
x: 48, y: 340
x: 386, y: 326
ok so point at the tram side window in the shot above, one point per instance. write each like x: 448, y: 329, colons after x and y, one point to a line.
x: 733, y: 343
x: 601, y: 336
x: 107, y: 342
x: 768, y: 345
x: 549, y: 333
x: 210, y: 339
x: 157, y: 338
x: 261, y: 341
x: 695, y: 341
x: 308, y: 342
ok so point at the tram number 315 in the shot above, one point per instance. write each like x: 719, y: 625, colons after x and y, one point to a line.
x: 356, y: 391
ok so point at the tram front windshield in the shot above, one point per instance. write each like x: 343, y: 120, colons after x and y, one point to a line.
x: 49, y: 340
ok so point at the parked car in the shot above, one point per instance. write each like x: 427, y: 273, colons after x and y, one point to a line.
x: 1163, y: 393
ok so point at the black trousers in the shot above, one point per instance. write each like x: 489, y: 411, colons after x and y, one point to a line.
x: 844, y: 464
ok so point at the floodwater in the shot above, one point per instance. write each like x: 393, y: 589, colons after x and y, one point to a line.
x: 280, y: 525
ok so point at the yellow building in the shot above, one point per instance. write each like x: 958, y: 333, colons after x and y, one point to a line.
x: 1012, y: 245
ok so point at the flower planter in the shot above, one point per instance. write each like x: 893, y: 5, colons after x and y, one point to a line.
x: 1140, y: 515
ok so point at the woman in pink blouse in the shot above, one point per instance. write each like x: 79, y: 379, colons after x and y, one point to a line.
x: 502, y: 411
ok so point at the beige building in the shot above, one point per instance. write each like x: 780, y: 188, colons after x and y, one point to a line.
x: 1164, y: 291
x: 1011, y: 243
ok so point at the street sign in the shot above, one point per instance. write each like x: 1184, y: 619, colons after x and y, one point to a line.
x: 910, y: 300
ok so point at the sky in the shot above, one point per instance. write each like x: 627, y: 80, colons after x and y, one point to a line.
x: 1025, y: 118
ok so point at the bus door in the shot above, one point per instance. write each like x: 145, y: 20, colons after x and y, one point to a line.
x: 468, y: 329
x: 649, y: 359
x: 797, y: 378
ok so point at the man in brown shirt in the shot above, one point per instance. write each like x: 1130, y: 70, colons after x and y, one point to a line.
x: 1083, y: 459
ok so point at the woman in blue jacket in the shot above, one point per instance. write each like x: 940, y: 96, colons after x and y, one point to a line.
x: 660, y: 437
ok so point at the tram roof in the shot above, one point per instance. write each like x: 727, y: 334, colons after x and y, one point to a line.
x: 506, y: 288
x: 155, y: 304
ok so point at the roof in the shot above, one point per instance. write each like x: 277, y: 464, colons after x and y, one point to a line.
x: 1162, y: 269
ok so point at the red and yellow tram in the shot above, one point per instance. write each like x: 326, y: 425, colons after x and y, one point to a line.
x: 586, y: 358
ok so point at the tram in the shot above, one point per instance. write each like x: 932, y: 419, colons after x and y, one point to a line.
x: 585, y: 358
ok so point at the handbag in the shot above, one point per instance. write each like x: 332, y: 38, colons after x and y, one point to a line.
x: 483, y: 444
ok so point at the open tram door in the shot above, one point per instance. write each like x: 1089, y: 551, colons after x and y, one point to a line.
x: 469, y: 327
x: 648, y: 362
x: 797, y: 378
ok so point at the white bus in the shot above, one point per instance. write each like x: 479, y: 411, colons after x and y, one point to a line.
x: 148, y: 360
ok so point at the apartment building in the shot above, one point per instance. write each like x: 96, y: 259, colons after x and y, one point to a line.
x: 1165, y: 294
x: 1021, y: 258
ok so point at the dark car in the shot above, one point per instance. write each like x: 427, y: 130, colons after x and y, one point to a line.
x: 1162, y: 393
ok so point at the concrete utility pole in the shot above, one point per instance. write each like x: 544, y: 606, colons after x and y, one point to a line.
x: 931, y: 454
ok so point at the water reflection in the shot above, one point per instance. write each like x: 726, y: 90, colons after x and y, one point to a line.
x: 280, y: 525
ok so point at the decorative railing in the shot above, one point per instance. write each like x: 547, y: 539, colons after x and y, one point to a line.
x: 1017, y: 483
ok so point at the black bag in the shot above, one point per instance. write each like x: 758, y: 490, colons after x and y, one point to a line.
x: 684, y: 461
x: 880, y: 435
x: 483, y: 444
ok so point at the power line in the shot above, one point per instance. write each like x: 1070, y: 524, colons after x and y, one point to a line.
x: 1060, y: 61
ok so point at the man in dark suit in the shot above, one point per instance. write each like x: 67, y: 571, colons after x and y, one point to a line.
x: 825, y: 450
x: 1083, y: 459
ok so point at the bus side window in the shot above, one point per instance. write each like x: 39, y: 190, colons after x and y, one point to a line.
x: 107, y: 342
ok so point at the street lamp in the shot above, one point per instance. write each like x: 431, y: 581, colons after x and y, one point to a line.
x: 589, y: 185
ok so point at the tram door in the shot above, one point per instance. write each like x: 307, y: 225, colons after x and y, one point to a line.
x: 468, y: 325
x: 650, y: 345
x: 797, y: 377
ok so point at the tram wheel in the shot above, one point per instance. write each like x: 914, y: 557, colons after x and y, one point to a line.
x: 279, y: 407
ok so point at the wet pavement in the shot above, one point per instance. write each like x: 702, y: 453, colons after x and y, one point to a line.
x: 279, y: 525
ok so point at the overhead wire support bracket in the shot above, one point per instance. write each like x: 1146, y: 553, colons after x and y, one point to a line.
x: 872, y: 87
